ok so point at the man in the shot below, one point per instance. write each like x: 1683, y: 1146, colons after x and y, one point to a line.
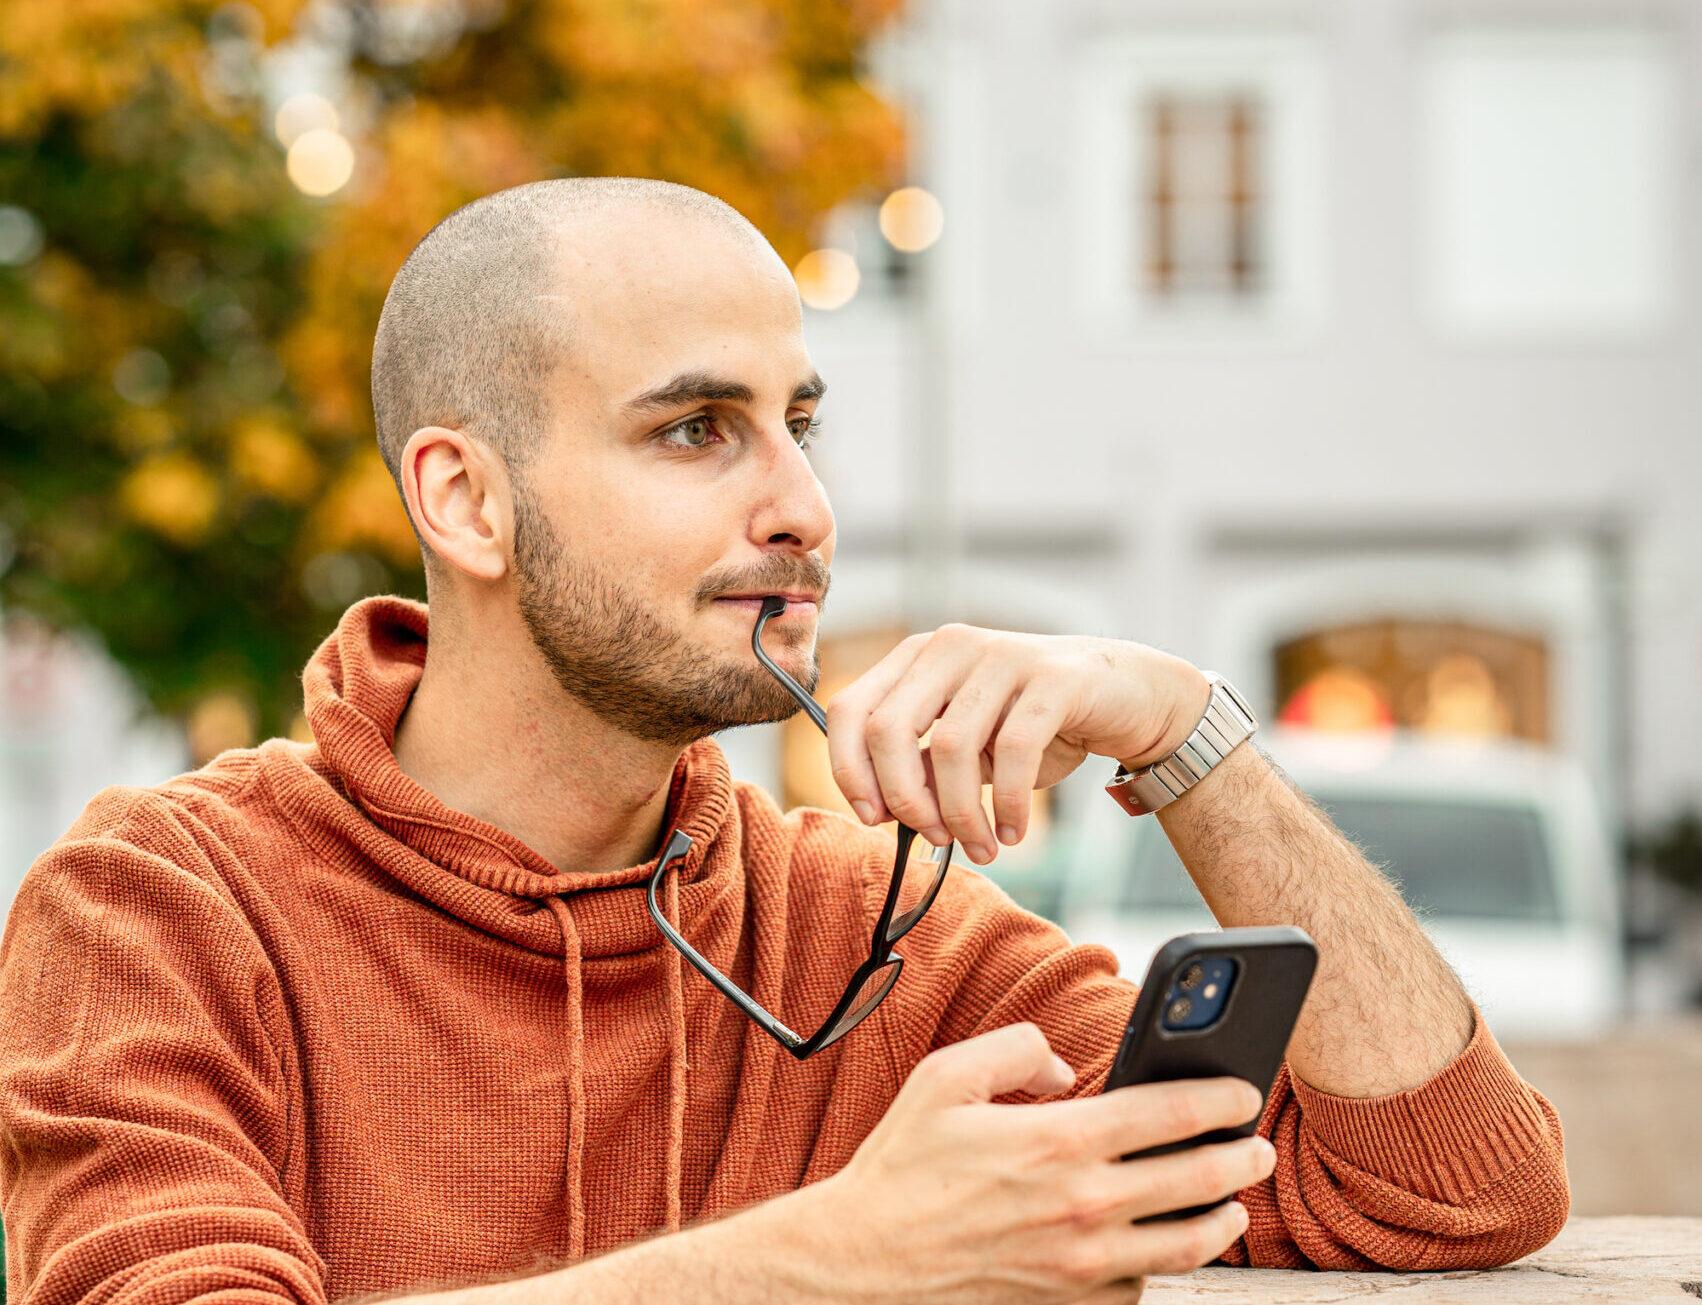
x: 387, y: 1012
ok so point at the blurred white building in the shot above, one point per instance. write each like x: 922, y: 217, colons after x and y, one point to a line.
x: 1347, y: 347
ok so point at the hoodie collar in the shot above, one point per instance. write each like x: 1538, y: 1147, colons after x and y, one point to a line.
x: 348, y: 788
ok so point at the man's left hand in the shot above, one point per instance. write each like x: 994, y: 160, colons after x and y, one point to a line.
x: 1018, y: 710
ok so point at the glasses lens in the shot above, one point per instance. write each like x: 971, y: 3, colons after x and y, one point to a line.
x: 924, y: 870
x: 869, y: 995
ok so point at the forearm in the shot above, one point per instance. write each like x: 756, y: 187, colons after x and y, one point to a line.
x: 780, y: 1250
x: 1385, y: 1011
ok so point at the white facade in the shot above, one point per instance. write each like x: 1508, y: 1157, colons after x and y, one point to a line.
x: 1470, y: 388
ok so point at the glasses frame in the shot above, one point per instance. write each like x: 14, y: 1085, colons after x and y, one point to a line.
x: 847, y: 1013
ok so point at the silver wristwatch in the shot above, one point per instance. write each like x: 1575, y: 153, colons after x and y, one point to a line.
x: 1227, y: 722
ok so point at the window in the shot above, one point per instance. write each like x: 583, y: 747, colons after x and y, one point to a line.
x: 1200, y: 210
x: 1435, y: 677
x: 1200, y: 185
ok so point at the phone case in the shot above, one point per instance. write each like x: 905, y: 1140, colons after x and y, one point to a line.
x: 1249, y: 1038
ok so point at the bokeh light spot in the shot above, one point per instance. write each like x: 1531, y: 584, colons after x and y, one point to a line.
x: 911, y: 219
x: 320, y: 161
x: 303, y: 112
x: 827, y: 278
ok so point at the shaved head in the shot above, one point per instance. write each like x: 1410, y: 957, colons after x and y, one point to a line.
x: 480, y: 317
x: 596, y: 399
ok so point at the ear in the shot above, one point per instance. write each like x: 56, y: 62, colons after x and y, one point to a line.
x: 458, y: 495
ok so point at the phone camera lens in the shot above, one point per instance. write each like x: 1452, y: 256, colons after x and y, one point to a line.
x: 1180, y: 1009
x: 1191, y: 977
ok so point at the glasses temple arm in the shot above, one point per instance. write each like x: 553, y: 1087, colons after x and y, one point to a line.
x: 773, y: 605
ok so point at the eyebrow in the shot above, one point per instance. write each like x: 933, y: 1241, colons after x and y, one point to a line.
x: 705, y: 387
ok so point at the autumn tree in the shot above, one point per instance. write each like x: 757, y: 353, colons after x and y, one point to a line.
x: 188, y: 469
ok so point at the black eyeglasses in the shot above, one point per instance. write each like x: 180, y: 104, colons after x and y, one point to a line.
x: 907, y: 901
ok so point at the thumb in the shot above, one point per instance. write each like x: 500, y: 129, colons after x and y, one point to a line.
x: 1016, y: 1058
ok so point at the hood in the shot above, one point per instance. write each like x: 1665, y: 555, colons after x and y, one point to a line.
x: 356, y: 687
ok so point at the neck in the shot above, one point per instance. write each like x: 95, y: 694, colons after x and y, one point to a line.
x: 497, y: 738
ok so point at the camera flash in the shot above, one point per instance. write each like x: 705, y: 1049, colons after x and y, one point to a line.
x: 1210, y: 991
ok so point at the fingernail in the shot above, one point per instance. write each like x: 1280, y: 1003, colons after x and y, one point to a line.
x: 1007, y: 834
x: 865, y: 812
x: 1064, y: 1067
x: 1238, y: 1213
x: 937, y: 836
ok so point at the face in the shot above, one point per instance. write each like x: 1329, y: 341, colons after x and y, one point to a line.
x: 675, y: 477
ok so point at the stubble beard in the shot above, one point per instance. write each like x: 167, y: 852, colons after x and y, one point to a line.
x: 611, y: 654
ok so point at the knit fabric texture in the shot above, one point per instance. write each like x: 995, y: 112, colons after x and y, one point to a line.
x: 288, y: 1028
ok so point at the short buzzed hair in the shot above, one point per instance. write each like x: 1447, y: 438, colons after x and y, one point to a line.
x: 465, y: 342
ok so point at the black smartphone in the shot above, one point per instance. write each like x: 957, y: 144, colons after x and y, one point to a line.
x: 1221, y: 1002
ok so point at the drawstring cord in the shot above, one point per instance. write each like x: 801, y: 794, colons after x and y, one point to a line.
x: 676, y: 1058
x: 573, y: 971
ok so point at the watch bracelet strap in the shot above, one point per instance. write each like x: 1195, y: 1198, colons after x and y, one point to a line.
x: 1227, y: 722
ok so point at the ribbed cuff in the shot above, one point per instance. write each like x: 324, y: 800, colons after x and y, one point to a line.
x: 1462, y: 1129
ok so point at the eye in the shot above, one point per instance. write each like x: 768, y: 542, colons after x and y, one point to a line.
x: 701, y: 425
x: 806, y: 430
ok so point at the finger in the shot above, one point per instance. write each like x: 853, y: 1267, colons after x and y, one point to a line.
x: 1199, y: 1175
x: 898, y: 722
x: 955, y: 753
x: 1175, y: 1245
x: 1030, y: 725
x: 1133, y: 1118
x: 1015, y: 1058
x: 847, y: 724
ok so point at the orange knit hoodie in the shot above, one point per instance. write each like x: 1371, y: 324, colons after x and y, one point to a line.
x: 288, y: 1028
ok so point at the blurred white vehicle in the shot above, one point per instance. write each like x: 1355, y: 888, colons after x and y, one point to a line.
x: 1497, y: 845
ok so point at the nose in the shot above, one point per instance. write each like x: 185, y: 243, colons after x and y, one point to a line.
x: 790, y: 510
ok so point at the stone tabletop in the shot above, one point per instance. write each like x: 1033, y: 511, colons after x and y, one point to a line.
x: 1633, y: 1259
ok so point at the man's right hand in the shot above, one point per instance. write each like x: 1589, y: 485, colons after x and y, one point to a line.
x: 953, y: 1197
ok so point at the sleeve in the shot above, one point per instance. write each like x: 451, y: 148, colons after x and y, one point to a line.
x: 144, y: 1118
x: 1466, y: 1170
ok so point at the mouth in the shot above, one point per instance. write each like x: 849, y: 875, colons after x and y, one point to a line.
x: 796, y: 604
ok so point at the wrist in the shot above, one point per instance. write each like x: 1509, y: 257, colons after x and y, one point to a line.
x: 1187, y: 694
x: 784, y: 1248
x: 805, y: 1239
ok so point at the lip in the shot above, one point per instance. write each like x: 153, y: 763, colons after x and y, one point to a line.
x: 796, y: 604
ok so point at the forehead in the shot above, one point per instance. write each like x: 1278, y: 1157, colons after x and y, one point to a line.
x: 648, y: 296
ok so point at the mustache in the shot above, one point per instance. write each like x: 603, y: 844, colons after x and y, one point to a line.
x: 786, y: 574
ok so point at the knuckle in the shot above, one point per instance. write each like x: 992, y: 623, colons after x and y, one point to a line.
x: 1081, y: 1262
x: 908, y: 806
x: 1036, y: 707
x: 1066, y: 1142
x: 1202, y: 1244
x: 959, y: 813
x: 931, y: 1066
x: 845, y: 771
x: 1036, y: 1038
x: 1188, y: 1249
x: 949, y: 740
x: 1085, y: 1205
x: 1182, y: 1113
x: 1211, y: 1170
x: 883, y: 723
